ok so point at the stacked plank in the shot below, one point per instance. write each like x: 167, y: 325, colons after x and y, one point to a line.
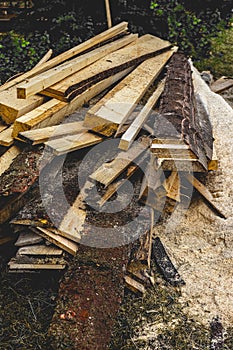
x: 35, y: 133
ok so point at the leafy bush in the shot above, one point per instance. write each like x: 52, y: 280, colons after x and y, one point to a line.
x: 191, y: 30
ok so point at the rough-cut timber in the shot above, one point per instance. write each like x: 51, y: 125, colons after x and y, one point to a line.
x: 89, y: 297
x: 116, y: 106
x: 6, y: 138
x: 90, y: 43
x: 144, y: 48
x: 54, y: 75
x: 54, y: 111
x: 7, y: 158
x: 11, y: 107
x: 178, y: 117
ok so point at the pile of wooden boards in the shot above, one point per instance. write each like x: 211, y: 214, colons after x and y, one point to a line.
x: 34, y: 107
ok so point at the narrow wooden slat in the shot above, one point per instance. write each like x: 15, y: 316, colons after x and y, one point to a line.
x: 18, y: 266
x: 52, y: 76
x: 100, y: 38
x: 72, y: 143
x: 108, y: 172
x: 6, y: 138
x: 131, y: 133
x: 134, y: 285
x: 39, y: 250
x: 44, y: 59
x: 59, y: 241
x: 37, y: 136
x: 54, y: 111
x: 116, y: 106
x: 221, y: 84
x: 7, y: 158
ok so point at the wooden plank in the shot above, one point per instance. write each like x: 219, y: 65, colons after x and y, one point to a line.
x: 181, y: 164
x: 54, y: 75
x: 114, y: 187
x: 116, y: 106
x: 39, y: 250
x: 54, y: 111
x: 28, y: 238
x: 61, y: 242
x: 72, y: 224
x: 18, y: 266
x: 92, y: 42
x: 108, y: 13
x: 12, y: 206
x: 221, y: 84
x: 205, y: 193
x: 7, y: 158
x: 58, y: 90
x: 108, y: 172
x: 131, y: 133
x: 144, y: 48
x: 6, y: 138
x: 11, y: 107
x: 172, y: 186
x: 172, y: 151
x: 38, y: 136
x: 70, y: 143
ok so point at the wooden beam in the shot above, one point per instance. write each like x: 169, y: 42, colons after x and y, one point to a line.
x: 38, y: 136
x: 131, y: 133
x: 39, y: 249
x: 54, y: 111
x: 116, y: 106
x: 205, y: 193
x: 3, y: 126
x: 108, y: 172
x: 70, y: 143
x: 59, y: 89
x: 59, y: 241
x: 90, y: 43
x: 7, y: 158
x: 54, y: 75
x: 11, y: 107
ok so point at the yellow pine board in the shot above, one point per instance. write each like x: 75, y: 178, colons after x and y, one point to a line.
x: 61, y: 242
x: 54, y: 111
x: 20, y: 266
x: 11, y: 107
x: 72, y: 143
x: 108, y: 172
x: 6, y: 138
x: 99, y: 38
x: 131, y: 133
x: 37, y: 136
x: 54, y: 75
x: 58, y: 90
x: 117, y: 105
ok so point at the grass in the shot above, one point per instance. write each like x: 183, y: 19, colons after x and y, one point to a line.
x: 220, y: 62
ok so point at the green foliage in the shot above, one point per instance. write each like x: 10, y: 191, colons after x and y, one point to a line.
x: 191, y: 31
x: 220, y: 61
x: 16, y: 55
